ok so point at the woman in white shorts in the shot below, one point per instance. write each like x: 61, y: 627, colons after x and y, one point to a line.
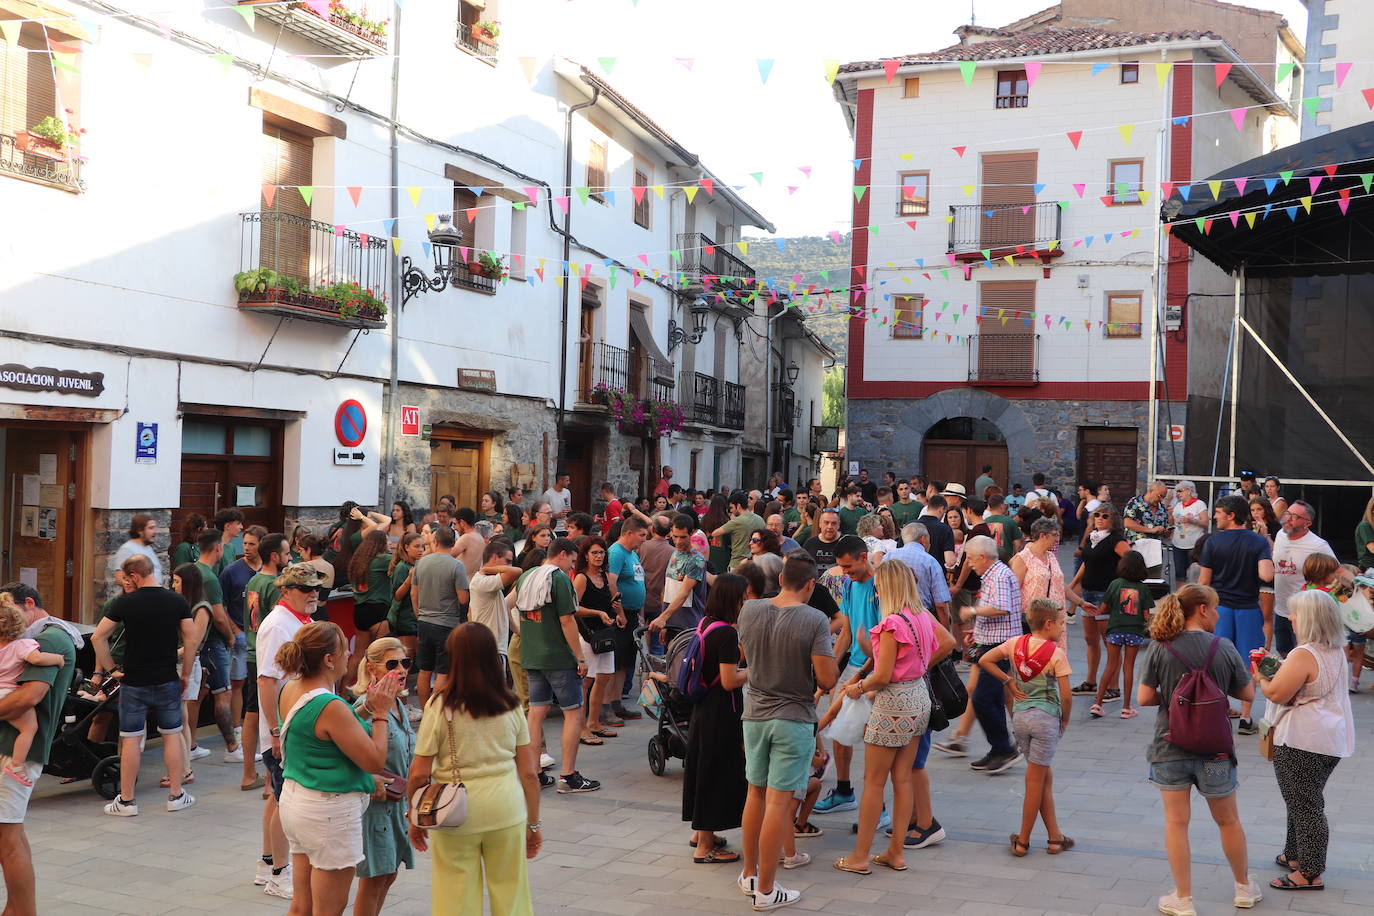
x: 328, y: 756
x: 595, y: 616
x: 188, y: 582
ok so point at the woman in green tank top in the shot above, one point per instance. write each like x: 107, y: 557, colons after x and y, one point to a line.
x: 328, y: 754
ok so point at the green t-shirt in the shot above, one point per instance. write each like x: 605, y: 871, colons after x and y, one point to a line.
x: 117, y: 635
x: 849, y: 519
x: 264, y: 587
x: 791, y: 518
x: 1006, y: 533
x: 543, y: 647
x: 184, y: 553
x: 1127, y: 604
x: 902, y: 513
x: 1364, y: 533
x: 398, y: 578
x: 214, y: 593
x: 378, y: 582
x: 737, y: 530
x: 233, y: 549
x: 49, y: 709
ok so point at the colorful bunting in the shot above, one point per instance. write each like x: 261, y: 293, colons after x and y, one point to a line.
x: 966, y: 67
x: 1342, y: 71
x: 1221, y: 71
x: 1075, y: 136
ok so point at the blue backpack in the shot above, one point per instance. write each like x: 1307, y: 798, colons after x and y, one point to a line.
x: 687, y: 658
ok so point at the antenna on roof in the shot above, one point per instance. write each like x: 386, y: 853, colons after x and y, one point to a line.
x: 972, y: 12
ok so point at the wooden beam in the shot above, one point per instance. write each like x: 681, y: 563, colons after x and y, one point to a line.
x: 298, y: 118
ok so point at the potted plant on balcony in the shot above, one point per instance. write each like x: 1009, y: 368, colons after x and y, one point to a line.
x: 487, y: 30
x: 664, y: 417
x: 352, y: 300
x: 488, y: 264
x: 265, y: 284
x: 49, y: 138
x: 338, y: 9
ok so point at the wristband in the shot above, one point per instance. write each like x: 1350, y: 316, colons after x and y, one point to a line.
x: 534, y: 828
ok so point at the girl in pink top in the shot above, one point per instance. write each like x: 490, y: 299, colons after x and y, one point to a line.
x: 15, y: 653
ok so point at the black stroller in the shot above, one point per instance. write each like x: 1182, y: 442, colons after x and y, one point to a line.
x: 659, y: 699
x: 73, y: 756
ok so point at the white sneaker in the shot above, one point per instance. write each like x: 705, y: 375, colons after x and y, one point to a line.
x: 120, y: 808
x: 1171, y: 904
x: 545, y: 761
x: 263, y: 874
x: 1247, y: 894
x: 746, y: 885
x: 234, y: 756
x: 779, y: 898
x: 181, y: 802
x: 238, y: 734
x: 279, y: 885
x: 198, y: 752
x: 797, y: 861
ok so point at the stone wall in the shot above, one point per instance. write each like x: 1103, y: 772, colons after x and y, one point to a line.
x: 111, y: 531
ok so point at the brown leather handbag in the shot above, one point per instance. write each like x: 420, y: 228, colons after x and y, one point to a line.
x: 441, y: 805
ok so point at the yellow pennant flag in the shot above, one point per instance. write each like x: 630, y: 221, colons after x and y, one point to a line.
x: 743, y: 247
x: 1216, y: 189
x: 1010, y: 259
x: 9, y: 28
x: 1162, y: 73
x: 429, y: 221
x: 395, y: 245
x: 1054, y: 243
x: 949, y: 219
x: 658, y: 189
x: 832, y: 70
x: 968, y: 189
x: 1307, y: 204
x: 691, y: 192
x: 905, y: 156
x: 1127, y: 131
x: 414, y: 196
x: 1250, y: 220
x: 1144, y: 196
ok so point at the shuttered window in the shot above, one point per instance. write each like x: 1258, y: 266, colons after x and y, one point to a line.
x: 286, y: 163
x: 464, y: 200
x: 596, y: 169
x: 643, y: 207
x: 1008, y: 186
x: 1130, y: 73
x: 1123, y: 315
x: 28, y: 94
x: 908, y: 317
x: 911, y: 87
x: 1006, y: 348
x: 915, y: 200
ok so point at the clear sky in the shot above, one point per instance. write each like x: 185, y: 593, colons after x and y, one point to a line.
x: 714, y: 102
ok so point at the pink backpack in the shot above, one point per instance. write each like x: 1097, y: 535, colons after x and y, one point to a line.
x: 1198, y: 709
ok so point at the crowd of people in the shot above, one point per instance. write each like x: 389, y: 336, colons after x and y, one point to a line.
x: 878, y: 615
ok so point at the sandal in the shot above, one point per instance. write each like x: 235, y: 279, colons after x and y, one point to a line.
x: 1282, y: 861
x: 1064, y: 843
x: 1018, y: 848
x: 1085, y: 688
x: 1111, y: 695
x: 257, y: 783
x: 1286, y: 883
x: 591, y: 742
x: 719, y: 841
x: 842, y: 866
x: 1095, y: 710
x: 604, y: 733
x: 806, y: 831
x: 166, y: 781
x: 885, y: 862
x: 717, y: 857
x: 1128, y: 713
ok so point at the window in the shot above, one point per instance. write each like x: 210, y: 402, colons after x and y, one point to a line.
x: 908, y: 317
x: 1130, y: 73
x: 911, y: 87
x: 29, y: 93
x: 519, y: 239
x: 478, y: 28
x: 596, y: 170
x: 1123, y: 315
x: 643, y: 206
x: 1126, y: 179
x: 287, y: 165
x: 1013, y: 89
x: 915, y: 199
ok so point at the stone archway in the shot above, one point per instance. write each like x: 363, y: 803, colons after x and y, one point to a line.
x: 921, y: 416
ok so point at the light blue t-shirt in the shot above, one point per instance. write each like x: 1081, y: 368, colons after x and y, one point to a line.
x: 860, y: 604
x: 629, y: 573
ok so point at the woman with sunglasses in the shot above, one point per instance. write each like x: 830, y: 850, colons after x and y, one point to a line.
x: 594, y: 613
x: 386, y: 845
x: 1104, y: 544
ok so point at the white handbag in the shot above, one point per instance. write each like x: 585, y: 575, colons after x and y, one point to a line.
x: 441, y: 805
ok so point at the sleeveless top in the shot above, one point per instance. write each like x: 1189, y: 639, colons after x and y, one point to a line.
x: 1042, y: 691
x: 1044, y: 579
x: 320, y: 765
x: 1319, y: 721
x: 598, y: 598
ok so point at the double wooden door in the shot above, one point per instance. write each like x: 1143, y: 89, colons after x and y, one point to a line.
x: 458, y: 466
x: 1109, y: 456
x: 962, y: 462
x: 231, y: 463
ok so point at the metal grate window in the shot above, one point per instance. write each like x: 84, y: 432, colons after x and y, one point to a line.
x: 1013, y: 89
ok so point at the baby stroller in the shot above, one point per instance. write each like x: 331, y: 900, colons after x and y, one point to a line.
x: 73, y: 756
x: 661, y: 701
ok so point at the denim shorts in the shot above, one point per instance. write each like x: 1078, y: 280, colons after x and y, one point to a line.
x: 136, y: 702
x: 1356, y: 639
x: 1214, y: 778
x: 430, y: 653
x: 274, y: 771
x: 238, y: 658
x: 1096, y: 599
x: 558, y: 685
x: 214, y: 665
x: 777, y: 753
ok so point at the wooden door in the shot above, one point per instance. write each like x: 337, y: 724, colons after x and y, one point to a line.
x: 577, y: 463
x: 1109, y: 456
x: 1008, y: 185
x: 231, y: 463
x: 40, y: 537
x: 962, y: 462
x: 458, y: 467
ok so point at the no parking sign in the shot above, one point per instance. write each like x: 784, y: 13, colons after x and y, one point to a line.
x: 350, y: 423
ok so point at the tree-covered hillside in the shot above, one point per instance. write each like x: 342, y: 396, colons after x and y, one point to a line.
x: 808, y: 256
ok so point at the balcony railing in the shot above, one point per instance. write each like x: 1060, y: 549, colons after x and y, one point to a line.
x: 466, y: 279
x: 786, y: 413
x: 1003, y: 359
x: 704, y: 259
x: 700, y: 395
x: 974, y: 228
x: 295, y: 259
x: 63, y: 172
x: 601, y: 368
x: 732, y: 410
x: 352, y: 27
x: 475, y: 41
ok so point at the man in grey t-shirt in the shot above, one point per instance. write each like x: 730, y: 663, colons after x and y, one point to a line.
x: 787, y: 646
x: 440, y: 596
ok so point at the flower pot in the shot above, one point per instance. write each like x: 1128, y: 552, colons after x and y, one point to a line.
x: 481, y: 34
x: 39, y: 146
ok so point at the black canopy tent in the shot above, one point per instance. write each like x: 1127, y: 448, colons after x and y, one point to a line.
x: 1298, y: 370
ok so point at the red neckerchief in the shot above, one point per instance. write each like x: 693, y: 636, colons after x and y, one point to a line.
x: 1028, y: 665
x: 1190, y: 502
x: 304, y: 619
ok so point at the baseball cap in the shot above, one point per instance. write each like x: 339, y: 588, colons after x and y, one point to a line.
x: 299, y: 575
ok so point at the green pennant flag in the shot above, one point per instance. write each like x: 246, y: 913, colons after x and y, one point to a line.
x: 1287, y: 176
x: 987, y: 254
x: 825, y: 276
x: 859, y: 190
x: 225, y: 61
x: 582, y: 193
x: 944, y: 272
x: 677, y: 255
x: 758, y: 176
x: 247, y: 13
x: 1283, y: 72
x: 967, y: 67
x: 614, y: 270
x: 307, y: 192
x: 518, y: 204
x: 1201, y: 224
x: 1364, y: 180
x: 1063, y: 204
x: 1310, y: 103
x: 873, y: 230
x: 607, y: 64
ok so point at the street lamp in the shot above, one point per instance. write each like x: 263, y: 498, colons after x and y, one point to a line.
x: 793, y: 370
x: 699, y: 311
x: 444, y: 239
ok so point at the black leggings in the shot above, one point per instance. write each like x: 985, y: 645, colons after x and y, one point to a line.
x: 1302, y: 777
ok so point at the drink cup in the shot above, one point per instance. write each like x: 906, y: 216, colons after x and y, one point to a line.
x: 1255, y: 656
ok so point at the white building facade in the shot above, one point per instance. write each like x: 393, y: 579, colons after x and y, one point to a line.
x: 1338, y: 67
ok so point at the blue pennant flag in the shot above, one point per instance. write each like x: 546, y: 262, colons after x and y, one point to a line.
x: 1099, y: 67
x: 989, y: 213
x: 1106, y: 236
x: 1292, y: 213
x: 1089, y: 241
x: 781, y: 243
x: 476, y: 192
x: 1038, y: 187
x: 1184, y: 190
x: 1182, y: 121
x: 1270, y: 184
x: 610, y: 197
x: 1267, y: 208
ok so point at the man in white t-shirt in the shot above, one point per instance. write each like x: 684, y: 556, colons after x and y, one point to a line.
x: 486, y: 593
x: 1292, y: 546
x: 559, y: 498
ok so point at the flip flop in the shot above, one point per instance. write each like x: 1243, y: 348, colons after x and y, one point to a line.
x: 1128, y: 713
x: 1064, y: 843
x: 1285, y: 883
x: 841, y: 866
x: 604, y: 733
x: 1018, y: 848
x: 717, y: 857
x: 1282, y: 861
x: 883, y: 860
x: 591, y: 742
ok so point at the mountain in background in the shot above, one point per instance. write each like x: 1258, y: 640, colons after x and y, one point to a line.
x: 808, y: 256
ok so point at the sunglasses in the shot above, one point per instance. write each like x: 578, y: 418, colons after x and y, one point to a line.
x: 391, y: 663
x: 756, y: 540
x: 1102, y: 515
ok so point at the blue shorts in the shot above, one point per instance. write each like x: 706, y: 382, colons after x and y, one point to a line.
x: 1213, y: 778
x: 274, y: 772
x: 923, y: 750
x: 777, y: 753
x: 1243, y: 626
x: 214, y: 662
x: 561, y: 686
x: 238, y: 658
x: 135, y: 703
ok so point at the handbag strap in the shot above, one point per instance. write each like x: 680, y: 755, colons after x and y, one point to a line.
x: 300, y: 704
x: 452, y: 744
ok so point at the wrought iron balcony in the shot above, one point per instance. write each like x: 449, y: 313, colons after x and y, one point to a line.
x: 477, y: 42
x: 703, y: 262
x: 293, y: 266
x: 1002, y: 229
x: 357, y: 27
x: 786, y: 413
x: 732, y: 410
x: 1003, y: 359
x: 466, y: 278
x: 40, y: 162
x: 700, y: 397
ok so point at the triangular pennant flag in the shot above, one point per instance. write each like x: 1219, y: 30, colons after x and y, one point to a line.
x: 1032, y: 72
x: 430, y: 220
x: 858, y: 164
x: 1126, y: 130
x: 859, y: 190
x: 1201, y: 225
x: 1080, y: 188
x: 709, y: 186
x: 1216, y: 189
x: 1310, y: 104
x: 1270, y: 184
x: 1364, y: 180
x: 658, y: 190
x: 1183, y: 120
x: 225, y: 61
x: 1099, y: 67
x: 966, y: 67
x: 687, y: 62
x: 1037, y: 187
x: 805, y: 170
x: 1306, y: 204
x: 532, y: 192
x: 307, y: 192
x: 835, y: 236
x: 1342, y: 71
x: 638, y: 193
x: 414, y: 193
x: 390, y: 225
x: 1235, y: 216
x: 1330, y: 170
x: 527, y: 66
x: 395, y: 245
x: 791, y: 189
x: 1250, y: 219
x: 1166, y: 188
x: 1106, y: 200
x: 1162, y: 73
x: 1313, y: 181
x: 1292, y: 213
x: 757, y: 176
x: 1185, y: 191
x: 269, y: 194
x: 960, y: 150
x: 912, y: 224
x: 890, y: 68
x: 583, y: 194
x: 1286, y: 175
x: 247, y: 13
x: 832, y: 70
x: 1368, y: 96
x: 476, y: 192
x: 1344, y: 201
x: 1283, y: 71
x: 743, y: 247
x: 353, y: 192
x: 1238, y: 116
x: 607, y: 64
x: 691, y: 192
x: 563, y: 203
x: 1063, y: 204
x: 1144, y: 197
x: 1221, y: 71
x: 765, y: 68
x: 471, y: 214
x: 1240, y: 184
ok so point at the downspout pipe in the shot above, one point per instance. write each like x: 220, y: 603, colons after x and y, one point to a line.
x: 768, y: 377
x: 567, y: 253
x: 393, y: 383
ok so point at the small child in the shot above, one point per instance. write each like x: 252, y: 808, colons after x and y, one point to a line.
x: 803, y: 802
x: 15, y: 653
x: 1039, y: 683
x: 1128, y: 603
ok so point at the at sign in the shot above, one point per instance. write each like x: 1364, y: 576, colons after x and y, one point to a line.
x: 410, y: 421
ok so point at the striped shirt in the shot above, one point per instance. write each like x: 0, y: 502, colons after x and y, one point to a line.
x: 1002, y: 591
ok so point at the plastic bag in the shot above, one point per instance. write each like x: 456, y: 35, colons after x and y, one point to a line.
x: 850, y: 721
x: 1356, y: 614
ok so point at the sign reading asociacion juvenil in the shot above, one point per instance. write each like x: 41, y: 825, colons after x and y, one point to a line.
x: 44, y: 378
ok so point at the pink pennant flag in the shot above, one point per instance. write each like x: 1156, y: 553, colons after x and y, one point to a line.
x: 362, y: 239
x: 805, y: 170
x: 269, y: 194
x: 637, y: 277
x: 1342, y: 71
x: 791, y: 189
x: 1032, y: 72
x: 834, y: 236
x: 890, y: 68
x: 1313, y: 181
x: 1238, y: 117
x: 644, y: 259
x: 1235, y: 217
x: 540, y: 272
x: 709, y: 186
x: 355, y: 193
x: 562, y: 203
x: 532, y: 193
x: 687, y: 62
x: 462, y: 250
x: 1025, y: 209
x: 1080, y: 188
x: 1344, y: 201
x: 338, y: 231
x: 1222, y: 71
x: 1240, y: 184
x: 911, y: 223
x: 951, y: 257
x: 960, y: 150
x: 321, y: 7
